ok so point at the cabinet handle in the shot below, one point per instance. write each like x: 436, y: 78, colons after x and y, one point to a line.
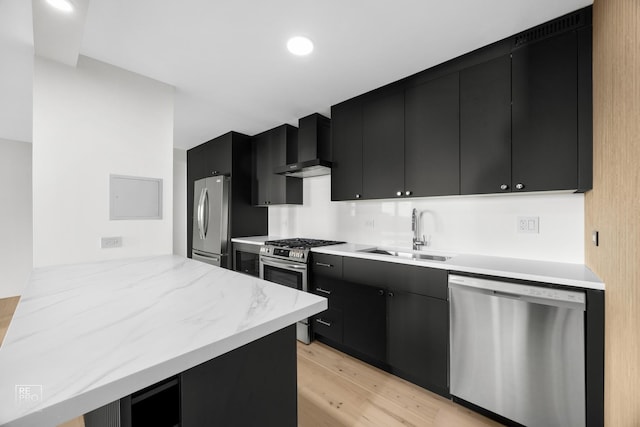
x: 519, y: 186
x: 323, y: 322
x: 407, y: 193
x: 324, y: 264
x: 390, y: 294
x: 399, y: 193
x: 358, y: 196
x: 504, y: 187
x: 380, y: 292
x: 323, y: 291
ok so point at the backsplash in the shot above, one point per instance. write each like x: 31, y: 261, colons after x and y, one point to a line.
x: 485, y: 225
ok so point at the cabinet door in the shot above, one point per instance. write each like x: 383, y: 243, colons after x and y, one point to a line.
x: 278, y: 156
x: 253, y: 385
x: 545, y: 124
x: 364, y: 327
x: 432, y: 148
x: 383, y: 146
x: 346, y: 148
x: 418, y: 339
x: 485, y: 127
x: 262, y: 180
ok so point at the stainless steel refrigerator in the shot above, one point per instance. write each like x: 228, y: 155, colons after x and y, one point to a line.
x: 211, y: 240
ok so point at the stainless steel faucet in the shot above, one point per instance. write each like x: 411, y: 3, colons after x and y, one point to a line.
x: 419, y: 239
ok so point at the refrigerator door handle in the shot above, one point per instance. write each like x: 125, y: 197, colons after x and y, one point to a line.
x: 205, y: 213
x: 200, y: 214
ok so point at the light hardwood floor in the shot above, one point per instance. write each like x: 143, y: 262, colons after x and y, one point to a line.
x: 336, y: 390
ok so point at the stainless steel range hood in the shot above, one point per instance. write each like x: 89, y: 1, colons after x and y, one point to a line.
x: 314, y: 149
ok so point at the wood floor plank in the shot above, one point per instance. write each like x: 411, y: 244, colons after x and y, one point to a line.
x: 7, y: 308
x: 345, y: 401
x: 434, y: 409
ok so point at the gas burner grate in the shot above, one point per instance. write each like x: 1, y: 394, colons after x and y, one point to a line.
x: 301, y: 243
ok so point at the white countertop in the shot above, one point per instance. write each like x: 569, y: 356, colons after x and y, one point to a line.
x: 558, y: 273
x: 254, y: 240
x: 85, y: 335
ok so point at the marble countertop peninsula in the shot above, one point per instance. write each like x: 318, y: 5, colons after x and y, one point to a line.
x: 88, y: 334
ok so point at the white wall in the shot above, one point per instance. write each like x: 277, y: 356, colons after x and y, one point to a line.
x: 180, y: 202
x: 16, y: 243
x: 89, y: 122
x: 471, y: 224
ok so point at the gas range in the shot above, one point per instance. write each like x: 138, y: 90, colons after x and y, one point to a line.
x: 296, y: 249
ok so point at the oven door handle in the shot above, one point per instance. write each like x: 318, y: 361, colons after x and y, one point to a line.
x: 283, y: 264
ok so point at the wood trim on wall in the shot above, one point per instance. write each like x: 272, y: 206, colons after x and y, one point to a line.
x: 613, y: 206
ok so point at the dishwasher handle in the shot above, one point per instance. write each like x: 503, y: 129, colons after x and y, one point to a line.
x: 527, y: 293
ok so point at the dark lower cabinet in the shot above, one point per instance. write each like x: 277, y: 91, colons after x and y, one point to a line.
x: 391, y: 315
x: 418, y: 339
x: 254, y: 385
x: 365, y: 320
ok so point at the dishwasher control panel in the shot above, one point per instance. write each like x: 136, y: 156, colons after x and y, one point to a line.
x: 515, y: 290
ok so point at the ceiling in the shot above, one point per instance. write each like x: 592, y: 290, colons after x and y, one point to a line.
x: 228, y: 61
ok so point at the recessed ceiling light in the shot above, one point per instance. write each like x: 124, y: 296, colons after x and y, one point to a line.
x: 300, y: 46
x: 63, y: 5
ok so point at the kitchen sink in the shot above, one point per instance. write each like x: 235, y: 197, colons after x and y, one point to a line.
x: 408, y: 255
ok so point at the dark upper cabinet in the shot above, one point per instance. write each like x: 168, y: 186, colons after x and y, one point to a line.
x: 485, y: 127
x: 229, y: 154
x: 346, y: 148
x: 431, y: 144
x: 418, y: 339
x: 272, y: 149
x: 513, y: 116
x: 383, y: 146
x: 545, y: 114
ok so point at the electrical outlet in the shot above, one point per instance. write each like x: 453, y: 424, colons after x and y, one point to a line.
x: 111, y: 242
x: 528, y: 224
x: 369, y: 223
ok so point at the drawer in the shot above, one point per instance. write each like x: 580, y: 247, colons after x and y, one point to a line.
x: 329, y: 324
x: 431, y: 282
x: 329, y: 288
x: 326, y: 265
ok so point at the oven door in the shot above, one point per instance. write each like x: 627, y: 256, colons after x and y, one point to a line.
x: 293, y: 275
x: 286, y: 273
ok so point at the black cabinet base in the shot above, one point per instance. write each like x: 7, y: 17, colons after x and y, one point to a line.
x: 254, y: 385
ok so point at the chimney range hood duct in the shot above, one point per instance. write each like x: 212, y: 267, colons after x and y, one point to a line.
x: 314, y: 149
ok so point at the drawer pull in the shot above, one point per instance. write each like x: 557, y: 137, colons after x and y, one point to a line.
x: 323, y: 291
x: 324, y: 322
x: 324, y: 264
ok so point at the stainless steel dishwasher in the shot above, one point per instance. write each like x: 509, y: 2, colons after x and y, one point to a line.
x: 518, y: 350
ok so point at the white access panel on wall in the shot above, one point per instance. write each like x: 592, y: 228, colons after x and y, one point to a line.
x: 132, y: 197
